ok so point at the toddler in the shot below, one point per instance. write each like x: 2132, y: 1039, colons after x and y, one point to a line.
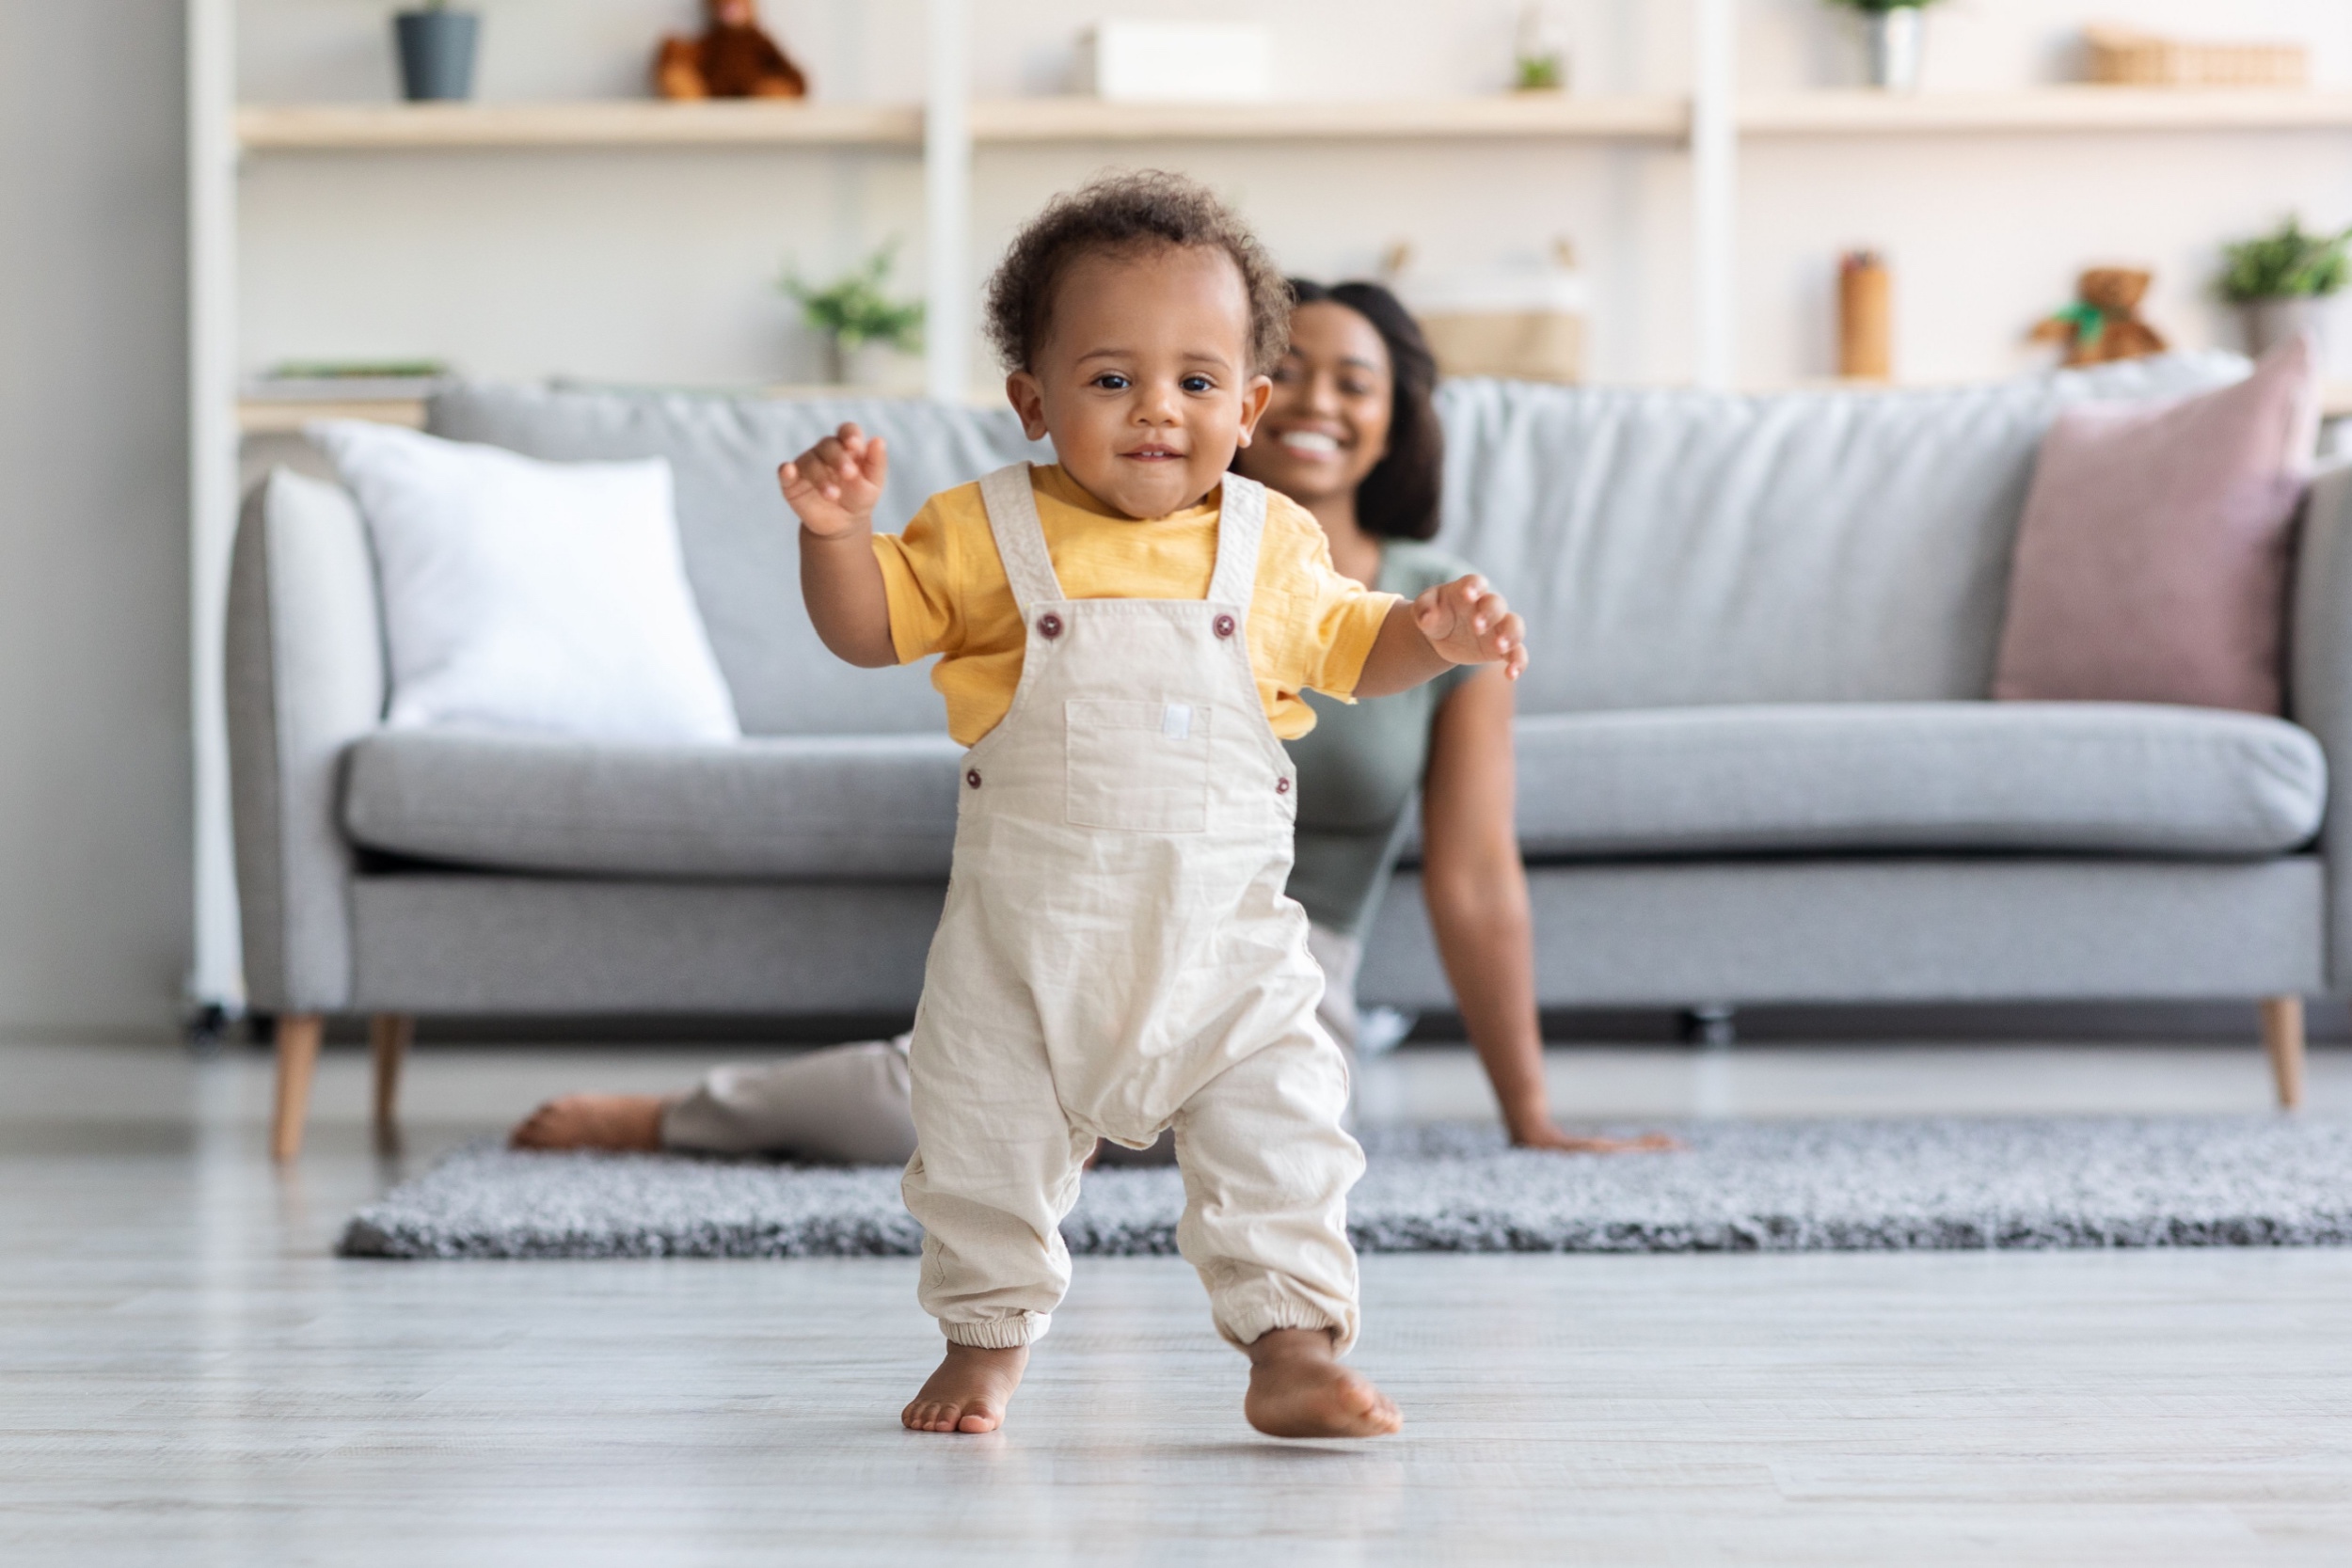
x: 1122, y: 640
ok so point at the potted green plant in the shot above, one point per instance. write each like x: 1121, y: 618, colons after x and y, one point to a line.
x: 2285, y: 281
x: 1539, y: 59
x: 437, y: 50
x: 862, y: 325
x: 1897, y: 34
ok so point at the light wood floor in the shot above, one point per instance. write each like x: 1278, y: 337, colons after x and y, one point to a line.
x: 187, y: 1377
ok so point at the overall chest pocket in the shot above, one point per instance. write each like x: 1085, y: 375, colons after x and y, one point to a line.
x: 1138, y: 766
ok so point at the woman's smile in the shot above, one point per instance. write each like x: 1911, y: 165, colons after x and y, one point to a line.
x: 1312, y: 446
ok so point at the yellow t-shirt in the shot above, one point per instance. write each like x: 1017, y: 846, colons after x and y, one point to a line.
x: 1309, y: 626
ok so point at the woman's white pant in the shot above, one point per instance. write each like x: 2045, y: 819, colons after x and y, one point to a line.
x: 846, y: 1104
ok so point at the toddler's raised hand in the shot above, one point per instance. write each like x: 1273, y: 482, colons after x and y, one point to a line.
x: 835, y: 485
x: 1468, y: 623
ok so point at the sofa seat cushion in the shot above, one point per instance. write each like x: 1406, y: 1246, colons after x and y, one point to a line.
x: 799, y: 807
x: 2120, y: 778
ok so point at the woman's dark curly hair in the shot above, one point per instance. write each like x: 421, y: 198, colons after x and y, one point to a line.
x: 1398, y: 499
x: 1126, y: 214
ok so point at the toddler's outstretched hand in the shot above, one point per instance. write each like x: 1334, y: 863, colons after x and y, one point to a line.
x: 835, y: 485
x: 1468, y: 623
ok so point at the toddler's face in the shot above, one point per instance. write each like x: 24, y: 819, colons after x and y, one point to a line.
x: 1143, y: 381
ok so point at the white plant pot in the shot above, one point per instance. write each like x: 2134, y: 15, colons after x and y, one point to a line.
x: 2272, y: 321
x: 867, y: 365
x: 1897, y: 39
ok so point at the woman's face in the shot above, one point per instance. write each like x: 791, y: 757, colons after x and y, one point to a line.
x: 1328, y: 422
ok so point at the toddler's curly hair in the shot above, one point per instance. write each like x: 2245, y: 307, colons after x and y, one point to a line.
x: 1126, y: 214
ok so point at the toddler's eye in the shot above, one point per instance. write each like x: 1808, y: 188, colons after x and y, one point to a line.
x: 1198, y: 383
x: 1111, y: 381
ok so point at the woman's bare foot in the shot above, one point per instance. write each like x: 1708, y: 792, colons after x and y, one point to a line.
x: 969, y: 1392
x: 1545, y: 1135
x: 625, y: 1123
x: 1297, y: 1388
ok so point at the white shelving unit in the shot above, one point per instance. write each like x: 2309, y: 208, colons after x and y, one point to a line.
x: 947, y: 130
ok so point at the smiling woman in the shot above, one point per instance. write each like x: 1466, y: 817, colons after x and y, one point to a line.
x: 1351, y: 434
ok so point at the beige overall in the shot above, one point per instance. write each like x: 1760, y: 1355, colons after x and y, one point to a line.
x: 1118, y: 956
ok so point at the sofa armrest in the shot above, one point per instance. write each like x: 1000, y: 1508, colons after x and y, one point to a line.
x: 2319, y: 686
x: 305, y: 677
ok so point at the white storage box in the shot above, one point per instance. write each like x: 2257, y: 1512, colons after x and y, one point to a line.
x: 1176, y: 62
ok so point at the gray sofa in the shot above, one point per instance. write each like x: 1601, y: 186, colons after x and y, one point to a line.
x: 1756, y: 764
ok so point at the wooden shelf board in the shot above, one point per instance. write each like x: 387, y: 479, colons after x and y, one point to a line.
x: 1014, y: 121
x: 1543, y: 116
x: 2044, y: 109
x: 361, y: 127
x: 620, y: 123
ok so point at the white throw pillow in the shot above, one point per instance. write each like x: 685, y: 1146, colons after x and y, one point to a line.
x: 528, y: 595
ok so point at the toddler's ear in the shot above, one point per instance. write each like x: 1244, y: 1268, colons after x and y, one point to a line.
x: 1254, y: 398
x: 1027, y: 397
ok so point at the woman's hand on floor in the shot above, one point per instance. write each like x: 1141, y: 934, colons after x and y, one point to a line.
x: 1546, y: 1136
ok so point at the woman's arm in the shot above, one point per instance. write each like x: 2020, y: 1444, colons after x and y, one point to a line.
x: 1477, y: 895
x: 1476, y: 891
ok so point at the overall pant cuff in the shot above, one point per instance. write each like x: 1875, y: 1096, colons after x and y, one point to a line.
x: 1243, y: 1323
x: 1017, y: 1328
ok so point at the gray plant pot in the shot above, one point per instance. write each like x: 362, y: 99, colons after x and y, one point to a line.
x: 1897, y: 39
x: 436, y: 51
x: 2272, y: 321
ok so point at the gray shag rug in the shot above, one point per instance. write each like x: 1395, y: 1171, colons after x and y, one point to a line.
x: 1800, y: 1186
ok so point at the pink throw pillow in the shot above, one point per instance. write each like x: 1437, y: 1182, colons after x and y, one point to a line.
x: 2151, y: 558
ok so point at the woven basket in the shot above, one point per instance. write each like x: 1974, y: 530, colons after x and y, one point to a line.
x: 2123, y: 58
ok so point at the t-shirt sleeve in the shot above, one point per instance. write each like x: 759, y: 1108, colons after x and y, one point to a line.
x: 1337, y: 618
x: 919, y: 577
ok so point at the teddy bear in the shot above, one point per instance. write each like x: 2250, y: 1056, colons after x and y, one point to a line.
x: 2104, y: 323
x: 733, y: 58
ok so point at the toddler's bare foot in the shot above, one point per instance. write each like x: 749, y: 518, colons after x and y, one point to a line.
x: 625, y: 1123
x: 1297, y: 1388
x: 969, y: 1392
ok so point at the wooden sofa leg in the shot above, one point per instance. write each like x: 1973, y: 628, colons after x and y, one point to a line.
x: 298, y: 1059
x: 2282, y: 1036
x: 388, y: 1037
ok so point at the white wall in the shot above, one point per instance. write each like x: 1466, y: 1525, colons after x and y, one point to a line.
x: 659, y: 266
x: 94, y: 838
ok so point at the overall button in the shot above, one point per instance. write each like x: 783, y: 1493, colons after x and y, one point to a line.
x: 1049, y: 625
x: 1223, y: 626
x: 1282, y: 787
x: 973, y: 778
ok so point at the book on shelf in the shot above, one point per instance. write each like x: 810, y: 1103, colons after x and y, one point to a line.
x: 349, y: 381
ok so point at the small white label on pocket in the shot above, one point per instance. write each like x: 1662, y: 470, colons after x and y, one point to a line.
x: 1176, y: 720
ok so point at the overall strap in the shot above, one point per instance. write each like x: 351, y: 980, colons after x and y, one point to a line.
x: 1020, y: 537
x: 1240, y: 526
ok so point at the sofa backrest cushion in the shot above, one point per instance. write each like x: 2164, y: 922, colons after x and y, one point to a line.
x: 1679, y: 548
x: 1667, y: 548
x: 741, y: 544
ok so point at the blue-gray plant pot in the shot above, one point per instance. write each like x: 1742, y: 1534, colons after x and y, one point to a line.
x: 437, y: 53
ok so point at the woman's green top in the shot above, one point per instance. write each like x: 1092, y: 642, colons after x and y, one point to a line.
x: 1361, y: 768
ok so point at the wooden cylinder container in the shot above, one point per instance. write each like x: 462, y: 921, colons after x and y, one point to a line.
x: 1866, y: 316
